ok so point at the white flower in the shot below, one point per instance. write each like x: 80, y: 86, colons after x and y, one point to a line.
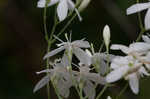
x: 73, y: 48
x: 62, y: 8
x: 129, y: 68
x: 140, y: 7
x: 98, y: 60
x: 84, y: 4
x: 106, y: 35
x: 59, y: 75
x: 138, y: 48
x: 108, y: 97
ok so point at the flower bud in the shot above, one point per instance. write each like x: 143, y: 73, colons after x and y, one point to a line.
x: 83, y: 4
x: 109, y: 97
x: 106, y: 35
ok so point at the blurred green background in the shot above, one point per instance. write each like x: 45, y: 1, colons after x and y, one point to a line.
x: 22, y: 43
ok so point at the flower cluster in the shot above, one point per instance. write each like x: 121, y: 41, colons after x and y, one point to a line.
x: 65, y: 74
x: 132, y: 66
x: 83, y: 68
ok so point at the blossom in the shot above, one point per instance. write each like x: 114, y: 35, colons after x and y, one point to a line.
x: 59, y: 75
x: 99, y: 61
x: 106, y: 35
x: 138, y: 8
x: 130, y: 67
x: 84, y: 4
x: 87, y: 80
x: 108, y: 97
x: 73, y: 48
x: 62, y: 8
x: 138, y: 48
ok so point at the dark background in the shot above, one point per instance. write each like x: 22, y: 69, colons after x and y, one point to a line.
x: 22, y: 43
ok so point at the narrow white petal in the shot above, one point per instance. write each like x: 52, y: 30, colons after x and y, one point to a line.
x: 119, y: 61
x: 44, y: 71
x: 52, y: 2
x: 114, y: 66
x: 63, y: 87
x: 54, y: 52
x: 81, y: 44
x: 117, y: 74
x: 41, y: 3
x: 137, y: 8
x: 62, y: 10
x: 123, y: 48
x: 139, y: 47
x: 134, y: 83
x: 146, y: 39
x: 42, y: 83
x: 65, y: 60
x: 95, y: 77
x: 89, y: 90
x: 88, y: 52
x: 71, y: 5
x: 147, y: 20
x: 82, y: 56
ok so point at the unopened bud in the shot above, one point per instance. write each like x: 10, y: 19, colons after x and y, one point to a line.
x: 106, y: 35
x: 83, y: 4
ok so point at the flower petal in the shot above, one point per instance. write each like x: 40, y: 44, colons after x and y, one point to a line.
x: 54, y: 52
x: 42, y: 83
x: 81, y: 44
x: 82, y: 56
x: 63, y: 87
x: 146, y: 39
x: 117, y: 74
x: 147, y: 20
x: 139, y: 47
x: 44, y: 71
x: 123, y: 48
x: 65, y: 60
x: 41, y: 3
x: 134, y: 83
x: 137, y: 8
x: 62, y: 10
x: 89, y: 90
x: 71, y: 5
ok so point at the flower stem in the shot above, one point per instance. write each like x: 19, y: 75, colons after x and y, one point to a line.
x: 81, y: 88
x: 122, y: 91
x: 140, y: 35
x: 101, y: 93
x: 46, y: 38
x: 140, y: 25
x: 65, y: 27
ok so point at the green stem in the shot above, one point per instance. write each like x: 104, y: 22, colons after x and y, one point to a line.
x: 105, y: 87
x: 122, y: 91
x: 140, y: 35
x: 53, y: 29
x: 101, y: 93
x: 46, y: 38
x: 140, y: 25
x: 80, y: 93
x: 65, y: 27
